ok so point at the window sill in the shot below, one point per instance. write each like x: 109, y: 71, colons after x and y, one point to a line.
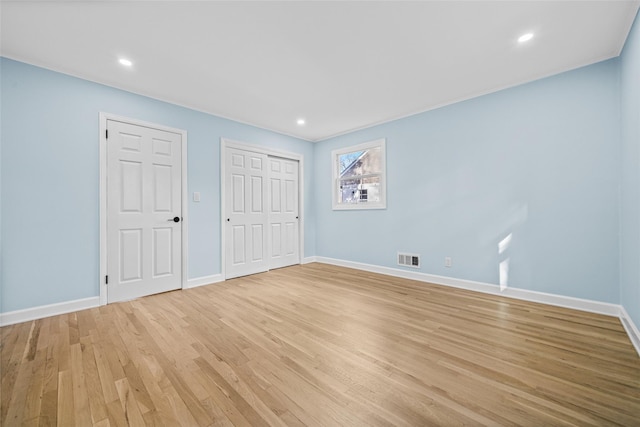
x: 358, y: 207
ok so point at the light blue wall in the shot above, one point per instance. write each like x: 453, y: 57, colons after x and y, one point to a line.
x: 630, y: 200
x: 50, y: 181
x: 539, y: 161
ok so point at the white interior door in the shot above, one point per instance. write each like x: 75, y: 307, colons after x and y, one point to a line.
x: 246, y: 218
x: 283, y: 212
x: 144, y: 211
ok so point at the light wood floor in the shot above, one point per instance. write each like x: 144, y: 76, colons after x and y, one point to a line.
x: 319, y: 345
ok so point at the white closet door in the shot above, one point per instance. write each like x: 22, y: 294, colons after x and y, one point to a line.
x: 246, y: 221
x: 144, y: 211
x: 283, y: 213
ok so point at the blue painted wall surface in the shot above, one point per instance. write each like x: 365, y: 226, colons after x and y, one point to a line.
x: 630, y: 200
x: 539, y: 162
x: 50, y: 181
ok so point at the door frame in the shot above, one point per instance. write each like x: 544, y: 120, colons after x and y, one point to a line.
x: 229, y: 143
x: 104, y: 117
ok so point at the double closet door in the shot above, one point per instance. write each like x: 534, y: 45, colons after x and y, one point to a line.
x: 262, y: 222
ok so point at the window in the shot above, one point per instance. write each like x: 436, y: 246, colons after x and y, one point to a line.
x: 359, y: 179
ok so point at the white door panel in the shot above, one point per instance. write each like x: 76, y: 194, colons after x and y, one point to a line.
x: 283, y: 212
x: 276, y: 242
x: 144, y: 244
x: 291, y: 242
x: 245, y: 227
x: 162, y: 251
x: 131, y: 255
x: 257, y: 239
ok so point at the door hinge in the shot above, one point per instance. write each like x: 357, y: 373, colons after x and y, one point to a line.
x: 106, y: 134
x: 106, y: 280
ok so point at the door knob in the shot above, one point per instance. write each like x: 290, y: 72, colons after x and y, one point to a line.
x: 175, y: 219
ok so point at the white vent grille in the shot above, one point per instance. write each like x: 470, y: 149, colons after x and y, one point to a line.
x: 409, y: 260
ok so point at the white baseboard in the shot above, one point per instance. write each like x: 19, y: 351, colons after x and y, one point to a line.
x: 591, y: 306
x: 522, y: 294
x: 19, y: 316
x: 309, y: 260
x: 204, y: 280
x: 631, y: 328
x: 27, y: 314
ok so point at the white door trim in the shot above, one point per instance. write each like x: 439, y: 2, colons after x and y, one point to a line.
x: 104, y: 117
x: 229, y: 143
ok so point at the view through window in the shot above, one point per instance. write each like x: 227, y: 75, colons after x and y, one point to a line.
x: 359, y: 176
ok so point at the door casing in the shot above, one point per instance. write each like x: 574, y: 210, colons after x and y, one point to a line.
x: 104, y: 117
x: 228, y: 143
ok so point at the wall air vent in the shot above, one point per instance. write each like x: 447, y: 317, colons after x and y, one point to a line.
x: 409, y: 260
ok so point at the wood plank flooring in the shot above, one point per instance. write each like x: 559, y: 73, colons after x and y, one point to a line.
x: 319, y: 345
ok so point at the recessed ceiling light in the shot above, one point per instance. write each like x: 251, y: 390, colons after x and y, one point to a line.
x: 301, y: 122
x: 525, y: 37
x: 125, y: 62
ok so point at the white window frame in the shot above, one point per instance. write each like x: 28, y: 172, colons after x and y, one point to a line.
x: 335, y: 184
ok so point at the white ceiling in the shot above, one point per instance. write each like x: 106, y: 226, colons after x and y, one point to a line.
x: 340, y: 65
